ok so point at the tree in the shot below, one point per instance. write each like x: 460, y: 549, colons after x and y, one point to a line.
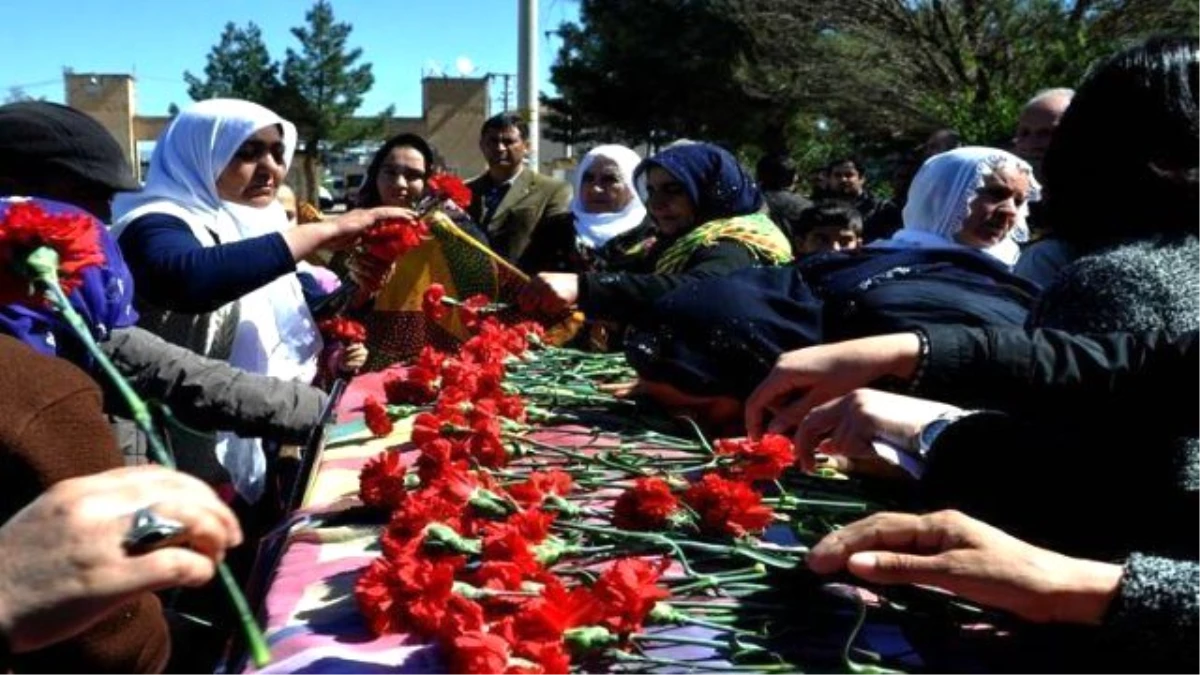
x: 322, y: 89
x: 17, y: 95
x: 879, y: 74
x: 239, y: 66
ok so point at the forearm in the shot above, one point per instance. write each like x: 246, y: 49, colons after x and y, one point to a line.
x: 212, y: 395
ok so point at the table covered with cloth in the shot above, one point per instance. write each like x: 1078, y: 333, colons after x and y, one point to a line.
x: 313, y: 625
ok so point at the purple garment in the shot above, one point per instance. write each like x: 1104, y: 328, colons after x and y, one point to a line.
x: 104, y: 299
x: 714, y: 180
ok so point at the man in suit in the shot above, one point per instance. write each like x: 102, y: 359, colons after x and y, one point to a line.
x: 514, y: 204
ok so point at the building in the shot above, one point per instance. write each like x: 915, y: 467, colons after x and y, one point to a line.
x: 452, y: 111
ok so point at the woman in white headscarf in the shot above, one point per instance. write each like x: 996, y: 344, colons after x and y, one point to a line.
x: 214, y: 258
x: 971, y: 196
x: 608, y: 225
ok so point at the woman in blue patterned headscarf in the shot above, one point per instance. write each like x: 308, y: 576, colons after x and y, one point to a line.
x: 708, y: 219
x: 104, y: 299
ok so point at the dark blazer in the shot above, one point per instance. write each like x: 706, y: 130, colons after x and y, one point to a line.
x: 532, y: 199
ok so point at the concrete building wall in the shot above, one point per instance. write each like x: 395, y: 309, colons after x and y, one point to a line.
x: 110, y: 100
x: 454, y: 109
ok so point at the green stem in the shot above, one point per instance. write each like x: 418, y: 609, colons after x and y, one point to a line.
x: 43, y: 261
x: 692, y: 666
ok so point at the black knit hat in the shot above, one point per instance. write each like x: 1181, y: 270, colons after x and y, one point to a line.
x: 53, y: 137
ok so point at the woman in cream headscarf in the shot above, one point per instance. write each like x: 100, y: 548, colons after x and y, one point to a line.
x: 972, y: 196
x: 214, y: 258
x: 607, y: 229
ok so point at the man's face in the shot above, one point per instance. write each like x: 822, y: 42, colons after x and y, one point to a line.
x: 504, y: 149
x: 844, y: 179
x: 1036, y: 127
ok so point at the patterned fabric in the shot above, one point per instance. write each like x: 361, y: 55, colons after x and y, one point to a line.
x: 396, y: 327
x: 756, y: 231
x: 717, y: 184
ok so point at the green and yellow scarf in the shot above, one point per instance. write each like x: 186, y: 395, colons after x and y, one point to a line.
x: 756, y: 232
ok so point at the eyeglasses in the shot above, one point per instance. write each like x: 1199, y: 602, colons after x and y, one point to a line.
x: 254, y: 150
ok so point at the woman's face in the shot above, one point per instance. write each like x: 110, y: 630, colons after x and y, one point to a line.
x: 401, y: 179
x: 668, y: 203
x: 601, y: 188
x: 256, y: 170
x: 993, y: 211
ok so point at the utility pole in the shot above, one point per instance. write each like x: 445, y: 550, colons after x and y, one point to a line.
x: 507, y: 78
x: 527, y: 74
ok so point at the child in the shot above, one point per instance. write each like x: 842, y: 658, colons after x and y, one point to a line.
x: 827, y: 226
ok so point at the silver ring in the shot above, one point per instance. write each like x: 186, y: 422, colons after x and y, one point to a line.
x: 149, y: 531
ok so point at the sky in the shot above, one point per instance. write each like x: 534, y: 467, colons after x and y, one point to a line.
x: 157, y: 40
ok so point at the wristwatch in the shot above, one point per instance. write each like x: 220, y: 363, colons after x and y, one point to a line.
x: 934, y: 428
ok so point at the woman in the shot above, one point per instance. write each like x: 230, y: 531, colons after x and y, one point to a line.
x: 972, y: 196
x: 607, y: 228
x: 213, y: 258
x: 708, y: 220
x: 715, y: 340
x: 398, y: 176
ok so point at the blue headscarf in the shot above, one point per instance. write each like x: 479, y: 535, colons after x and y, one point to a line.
x: 104, y: 299
x: 714, y: 180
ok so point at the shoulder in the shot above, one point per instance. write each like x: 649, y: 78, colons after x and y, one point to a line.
x: 541, y: 182
x: 155, y: 221
x: 56, y: 379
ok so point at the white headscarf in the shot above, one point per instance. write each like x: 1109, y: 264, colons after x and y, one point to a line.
x: 940, y: 199
x: 596, y: 229
x: 276, y: 334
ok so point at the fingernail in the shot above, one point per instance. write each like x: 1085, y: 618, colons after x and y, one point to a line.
x: 866, y: 560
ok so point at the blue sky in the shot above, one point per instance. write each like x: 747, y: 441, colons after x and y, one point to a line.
x: 157, y: 40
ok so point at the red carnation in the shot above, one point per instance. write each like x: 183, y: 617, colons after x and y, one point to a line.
x: 377, y: 418
x: 727, y: 507
x: 390, y: 239
x: 547, y: 657
x: 468, y: 311
x: 648, y: 505
x: 415, y: 385
x: 764, y: 459
x: 448, y: 186
x: 26, y: 227
x: 554, y: 612
x: 431, y: 303
x: 534, y: 489
x: 341, y: 329
x: 381, y: 482
x: 627, y: 592
x: 476, y: 652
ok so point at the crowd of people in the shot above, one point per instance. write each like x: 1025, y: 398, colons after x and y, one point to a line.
x: 1011, y: 322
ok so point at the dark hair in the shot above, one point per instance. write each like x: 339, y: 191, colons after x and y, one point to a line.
x: 852, y: 161
x: 368, y: 194
x: 775, y: 171
x: 833, y: 213
x: 1122, y: 164
x: 503, y: 121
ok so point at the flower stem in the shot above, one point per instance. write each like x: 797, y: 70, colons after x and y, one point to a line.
x: 43, y: 262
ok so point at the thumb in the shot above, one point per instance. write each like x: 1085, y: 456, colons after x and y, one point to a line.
x: 885, y: 567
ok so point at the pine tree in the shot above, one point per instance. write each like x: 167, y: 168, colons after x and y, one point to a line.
x: 239, y: 66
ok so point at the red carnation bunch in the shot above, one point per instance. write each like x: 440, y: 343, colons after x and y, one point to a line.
x: 381, y: 482
x: 341, y: 329
x: 389, y: 239
x: 448, y: 187
x: 648, y: 505
x: 75, y: 237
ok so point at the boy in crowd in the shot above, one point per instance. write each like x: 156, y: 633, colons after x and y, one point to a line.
x: 827, y: 226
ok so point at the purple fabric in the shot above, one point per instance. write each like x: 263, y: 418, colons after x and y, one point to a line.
x: 104, y: 300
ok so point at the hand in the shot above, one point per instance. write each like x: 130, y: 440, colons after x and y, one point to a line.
x: 852, y: 422
x: 369, y: 273
x: 971, y: 559
x: 818, y: 374
x: 352, y: 358
x: 62, y: 563
x: 340, y: 232
x: 549, y: 293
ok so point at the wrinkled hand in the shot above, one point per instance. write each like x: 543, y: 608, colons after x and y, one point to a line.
x: 805, y: 378
x: 852, y: 422
x: 971, y: 559
x: 62, y: 564
x: 351, y: 359
x: 549, y: 293
x: 368, y: 272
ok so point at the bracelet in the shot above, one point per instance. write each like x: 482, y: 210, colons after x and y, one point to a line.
x: 922, y: 361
